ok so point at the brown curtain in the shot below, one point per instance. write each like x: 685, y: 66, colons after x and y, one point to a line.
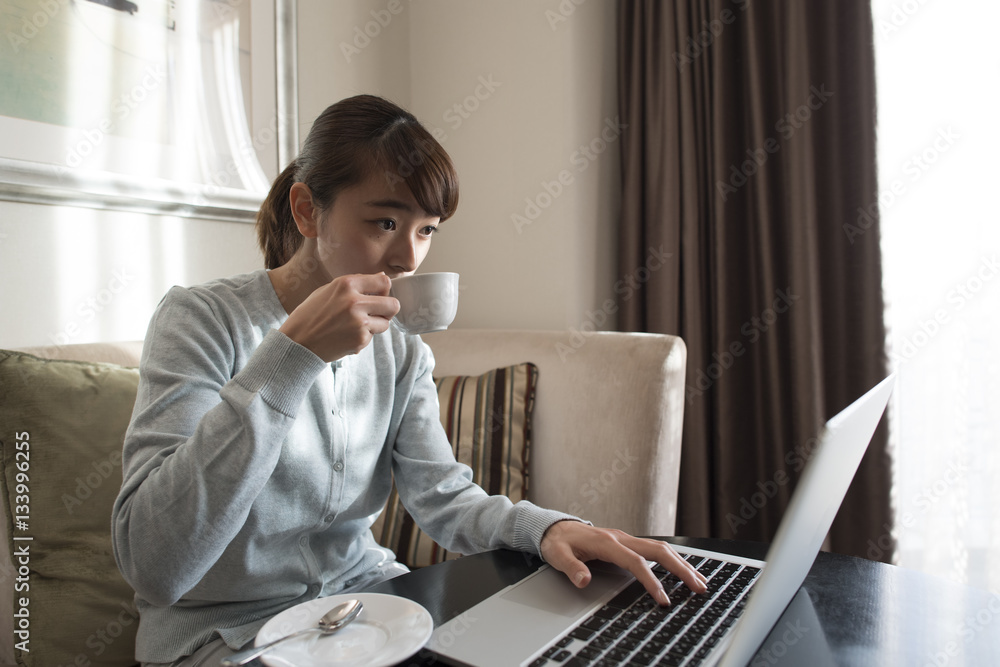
x: 749, y: 158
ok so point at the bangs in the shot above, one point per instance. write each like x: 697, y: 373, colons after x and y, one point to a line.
x: 407, y: 153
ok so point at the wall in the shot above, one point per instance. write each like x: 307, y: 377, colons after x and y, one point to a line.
x: 516, y: 88
x: 519, y: 92
x: 351, y: 47
x: 80, y: 275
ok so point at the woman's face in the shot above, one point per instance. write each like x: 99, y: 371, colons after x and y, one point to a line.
x: 374, y: 227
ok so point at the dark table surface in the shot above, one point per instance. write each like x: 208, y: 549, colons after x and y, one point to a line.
x: 850, y: 611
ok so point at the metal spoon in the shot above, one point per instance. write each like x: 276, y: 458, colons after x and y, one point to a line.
x: 332, y: 621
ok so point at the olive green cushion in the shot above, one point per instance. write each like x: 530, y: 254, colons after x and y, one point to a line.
x: 62, y: 425
x: 488, y: 421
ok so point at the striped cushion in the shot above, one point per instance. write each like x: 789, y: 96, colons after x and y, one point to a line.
x: 488, y: 422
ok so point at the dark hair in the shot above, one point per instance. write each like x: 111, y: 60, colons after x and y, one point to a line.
x: 351, y: 140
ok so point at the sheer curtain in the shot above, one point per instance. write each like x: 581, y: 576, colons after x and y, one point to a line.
x: 938, y: 146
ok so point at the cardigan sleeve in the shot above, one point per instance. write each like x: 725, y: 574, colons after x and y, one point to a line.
x: 202, y: 443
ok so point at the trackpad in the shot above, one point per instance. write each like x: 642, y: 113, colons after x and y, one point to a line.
x: 550, y: 590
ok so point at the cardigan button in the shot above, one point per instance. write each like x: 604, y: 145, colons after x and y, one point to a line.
x: 338, y: 466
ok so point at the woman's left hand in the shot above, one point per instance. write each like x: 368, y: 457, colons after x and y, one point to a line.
x: 568, y: 545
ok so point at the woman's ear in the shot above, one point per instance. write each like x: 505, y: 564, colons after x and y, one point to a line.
x: 304, y: 210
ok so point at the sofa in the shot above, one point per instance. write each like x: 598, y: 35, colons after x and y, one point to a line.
x: 585, y: 423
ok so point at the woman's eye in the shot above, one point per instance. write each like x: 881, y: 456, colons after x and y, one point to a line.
x: 386, y: 225
x: 429, y: 230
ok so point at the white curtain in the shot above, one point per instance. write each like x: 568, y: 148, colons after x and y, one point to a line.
x: 938, y: 180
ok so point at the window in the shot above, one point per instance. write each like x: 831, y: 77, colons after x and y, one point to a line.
x: 939, y: 162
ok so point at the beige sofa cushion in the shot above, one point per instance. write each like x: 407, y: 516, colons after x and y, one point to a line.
x: 609, y: 408
x: 123, y: 353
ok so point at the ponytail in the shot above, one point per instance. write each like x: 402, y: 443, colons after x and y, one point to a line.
x: 277, y: 234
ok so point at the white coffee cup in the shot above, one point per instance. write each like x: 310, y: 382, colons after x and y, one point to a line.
x: 427, y: 302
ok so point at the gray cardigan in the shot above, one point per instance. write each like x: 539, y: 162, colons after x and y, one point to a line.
x: 253, y: 470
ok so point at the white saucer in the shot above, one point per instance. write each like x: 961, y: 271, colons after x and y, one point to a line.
x: 388, y: 630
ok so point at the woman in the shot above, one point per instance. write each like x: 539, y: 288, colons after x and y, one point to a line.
x: 275, y: 407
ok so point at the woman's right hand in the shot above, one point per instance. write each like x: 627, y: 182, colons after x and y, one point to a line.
x: 341, y: 317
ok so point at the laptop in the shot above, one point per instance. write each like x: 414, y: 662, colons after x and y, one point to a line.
x: 545, y: 620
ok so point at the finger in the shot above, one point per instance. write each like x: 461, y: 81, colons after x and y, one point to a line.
x: 384, y: 307
x: 378, y: 322
x: 613, y: 547
x: 664, y: 554
x: 369, y: 284
x: 561, y: 557
x: 645, y: 575
x: 377, y: 325
x: 377, y: 284
x: 629, y: 560
x: 568, y: 544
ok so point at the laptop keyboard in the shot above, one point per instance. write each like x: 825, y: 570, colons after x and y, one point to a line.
x: 632, y: 629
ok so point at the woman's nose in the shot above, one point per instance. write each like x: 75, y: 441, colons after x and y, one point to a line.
x: 404, y: 255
